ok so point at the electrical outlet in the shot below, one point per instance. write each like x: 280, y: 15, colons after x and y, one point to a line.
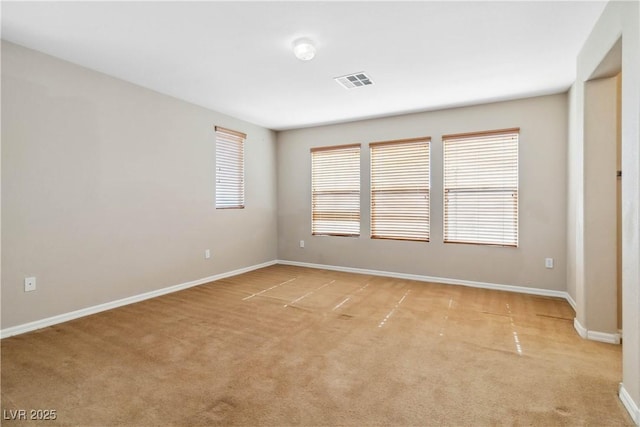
x: 207, y: 253
x: 302, y: 243
x: 29, y: 284
x: 548, y: 262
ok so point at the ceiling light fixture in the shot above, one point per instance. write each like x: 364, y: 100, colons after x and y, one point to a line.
x: 304, y: 49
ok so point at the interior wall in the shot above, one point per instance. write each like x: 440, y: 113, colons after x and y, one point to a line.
x: 575, y: 186
x: 600, y: 205
x: 619, y: 200
x: 619, y: 20
x: 108, y: 190
x: 542, y: 196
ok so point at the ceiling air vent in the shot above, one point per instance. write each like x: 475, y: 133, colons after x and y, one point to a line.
x: 351, y: 81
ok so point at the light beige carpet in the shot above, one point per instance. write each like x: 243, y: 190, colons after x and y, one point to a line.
x: 292, y: 346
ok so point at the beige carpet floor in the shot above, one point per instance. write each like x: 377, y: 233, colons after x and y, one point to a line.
x: 293, y: 346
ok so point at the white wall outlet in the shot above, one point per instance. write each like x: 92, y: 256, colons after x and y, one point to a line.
x: 548, y: 262
x: 29, y: 284
x: 302, y: 243
x: 207, y: 253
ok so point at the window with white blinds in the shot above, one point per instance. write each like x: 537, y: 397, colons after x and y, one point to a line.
x: 400, y: 190
x: 335, y: 190
x: 481, y: 188
x: 229, y: 168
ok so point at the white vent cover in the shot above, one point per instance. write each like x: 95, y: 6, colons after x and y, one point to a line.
x: 351, y: 81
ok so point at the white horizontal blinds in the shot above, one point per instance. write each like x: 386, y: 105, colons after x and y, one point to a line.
x: 229, y: 168
x: 335, y: 190
x: 481, y: 188
x: 400, y: 190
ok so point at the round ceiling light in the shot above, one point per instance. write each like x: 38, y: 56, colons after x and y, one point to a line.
x: 304, y: 49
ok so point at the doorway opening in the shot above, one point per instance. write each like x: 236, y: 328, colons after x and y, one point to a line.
x: 603, y: 177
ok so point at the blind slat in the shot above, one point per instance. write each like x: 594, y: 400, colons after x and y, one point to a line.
x: 335, y: 190
x: 481, y: 188
x: 400, y: 190
x: 229, y: 168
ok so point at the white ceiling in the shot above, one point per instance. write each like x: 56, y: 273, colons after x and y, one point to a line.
x: 236, y: 57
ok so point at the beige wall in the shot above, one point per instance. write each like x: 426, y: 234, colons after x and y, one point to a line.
x: 108, y: 190
x: 574, y: 227
x: 600, y: 205
x: 619, y: 199
x: 619, y: 20
x: 543, y: 139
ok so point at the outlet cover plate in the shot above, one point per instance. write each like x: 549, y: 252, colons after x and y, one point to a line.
x: 29, y: 284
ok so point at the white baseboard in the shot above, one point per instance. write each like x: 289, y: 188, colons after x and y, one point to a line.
x: 432, y: 279
x: 582, y: 331
x: 43, y: 323
x: 627, y: 401
x: 606, y: 337
x: 572, y: 302
x: 49, y: 321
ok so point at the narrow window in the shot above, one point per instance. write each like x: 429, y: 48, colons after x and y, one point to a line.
x: 229, y: 168
x: 481, y: 188
x: 335, y: 190
x: 400, y: 190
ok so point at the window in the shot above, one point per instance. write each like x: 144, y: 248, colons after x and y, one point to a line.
x: 335, y: 190
x: 229, y: 168
x: 400, y: 190
x: 481, y: 188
